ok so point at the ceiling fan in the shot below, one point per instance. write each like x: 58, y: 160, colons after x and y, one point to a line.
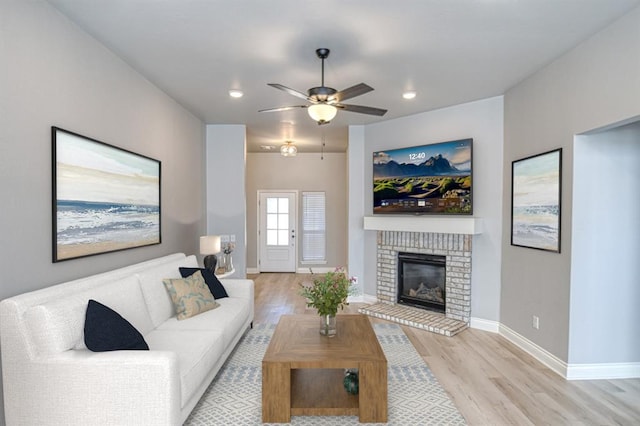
x: 325, y: 101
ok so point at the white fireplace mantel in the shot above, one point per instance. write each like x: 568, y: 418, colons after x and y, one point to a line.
x: 437, y: 224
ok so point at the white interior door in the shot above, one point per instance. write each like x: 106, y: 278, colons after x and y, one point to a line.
x: 277, y: 231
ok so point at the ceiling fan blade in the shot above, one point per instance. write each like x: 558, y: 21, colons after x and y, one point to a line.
x: 287, y: 108
x: 352, y: 92
x: 289, y: 90
x: 362, y: 109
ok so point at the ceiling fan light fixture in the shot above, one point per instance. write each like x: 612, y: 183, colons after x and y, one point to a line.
x: 288, y: 149
x: 322, y: 113
x: 235, y: 93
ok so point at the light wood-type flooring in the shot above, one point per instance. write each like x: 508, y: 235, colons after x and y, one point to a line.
x: 490, y: 380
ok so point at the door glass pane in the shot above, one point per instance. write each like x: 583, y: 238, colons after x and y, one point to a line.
x: 283, y: 221
x: 272, y: 237
x: 272, y: 205
x: 272, y: 221
x: 283, y: 205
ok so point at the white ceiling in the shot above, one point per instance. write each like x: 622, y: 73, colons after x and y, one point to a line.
x: 448, y: 51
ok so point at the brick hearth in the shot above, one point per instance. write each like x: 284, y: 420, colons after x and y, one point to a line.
x: 415, y: 317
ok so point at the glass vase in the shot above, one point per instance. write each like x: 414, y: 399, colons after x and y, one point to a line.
x: 228, y: 260
x: 328, y: 325
x: 222, y: 264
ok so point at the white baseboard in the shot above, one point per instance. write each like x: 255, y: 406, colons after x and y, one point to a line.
x: 362, y: 298
x: 601, y: 371
x: 623, y: 370
x: 553, y: 362
x: 316, y: 270
x: 483, y: 324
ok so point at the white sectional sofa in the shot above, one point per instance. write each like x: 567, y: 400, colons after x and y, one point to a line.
x: 51, y: 378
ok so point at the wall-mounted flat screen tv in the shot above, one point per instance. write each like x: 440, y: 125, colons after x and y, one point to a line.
x: 425, y: 179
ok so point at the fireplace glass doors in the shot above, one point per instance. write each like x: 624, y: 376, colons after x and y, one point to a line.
x: 421, y: 281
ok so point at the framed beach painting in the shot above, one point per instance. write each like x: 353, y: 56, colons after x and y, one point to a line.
x: 105, y: 198
x: 535, y: 201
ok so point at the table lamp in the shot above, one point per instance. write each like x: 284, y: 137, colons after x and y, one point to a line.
x: 209, y: 246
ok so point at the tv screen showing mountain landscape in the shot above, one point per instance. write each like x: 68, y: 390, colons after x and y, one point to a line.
x: 426, y: 179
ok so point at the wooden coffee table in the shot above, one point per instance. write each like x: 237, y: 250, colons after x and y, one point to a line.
x: 303, y: 371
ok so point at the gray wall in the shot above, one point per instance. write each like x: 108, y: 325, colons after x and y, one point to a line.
x: 304, y: 172
x: 606, y: 247
x: 55, y: 74
x: 226, y: 199
x: 595, y: 84
x: 52, y: 73
x: 356, y: 206
x: 482, y: 121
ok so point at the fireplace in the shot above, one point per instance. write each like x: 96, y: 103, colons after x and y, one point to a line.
x: 421, y: 281
x: 455, y: 248
x: 445, y: 236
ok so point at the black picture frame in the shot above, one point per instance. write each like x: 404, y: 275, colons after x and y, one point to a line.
x: 104, y: 198
x: 536, y: 201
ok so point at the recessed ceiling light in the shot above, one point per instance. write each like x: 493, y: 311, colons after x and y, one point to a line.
x: 267, y: 147
x: 235, y: 93
x: 409, y: 95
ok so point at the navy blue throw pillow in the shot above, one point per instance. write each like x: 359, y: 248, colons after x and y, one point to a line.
x: 105, y: 330
x: 216, y: 287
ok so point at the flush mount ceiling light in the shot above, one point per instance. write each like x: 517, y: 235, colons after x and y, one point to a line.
x: 409, y: 95
x: 322, y: 113
x: 235, y: 93
x: 288, y: 149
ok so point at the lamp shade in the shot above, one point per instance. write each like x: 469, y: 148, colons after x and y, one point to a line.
x: 210, y: 244
x: 322, y: 113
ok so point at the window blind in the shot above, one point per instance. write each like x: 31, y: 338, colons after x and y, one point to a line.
x: 313, y: 227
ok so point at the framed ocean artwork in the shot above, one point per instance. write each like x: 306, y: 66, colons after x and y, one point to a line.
x: 535, y: 201
x: 105, y: 198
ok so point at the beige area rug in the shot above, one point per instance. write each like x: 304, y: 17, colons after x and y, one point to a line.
x: 415, y: 396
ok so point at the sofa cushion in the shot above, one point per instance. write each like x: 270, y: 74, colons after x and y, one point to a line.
x: 216, y: 287
x: 158, y: 300
x: 190, y: 295
x: 58, y: 325
x: 198, y: 352
x: 106, y: 330
x: 228, y: 318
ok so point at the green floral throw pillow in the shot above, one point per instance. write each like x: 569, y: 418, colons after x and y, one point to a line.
x: 191, y: 296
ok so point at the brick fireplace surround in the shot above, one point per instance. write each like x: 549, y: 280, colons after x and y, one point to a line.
x: 457, y: 250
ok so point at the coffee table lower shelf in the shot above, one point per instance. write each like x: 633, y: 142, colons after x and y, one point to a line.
x: 320, y: 392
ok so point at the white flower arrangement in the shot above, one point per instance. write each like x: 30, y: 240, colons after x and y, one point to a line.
x: 228, y: 248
